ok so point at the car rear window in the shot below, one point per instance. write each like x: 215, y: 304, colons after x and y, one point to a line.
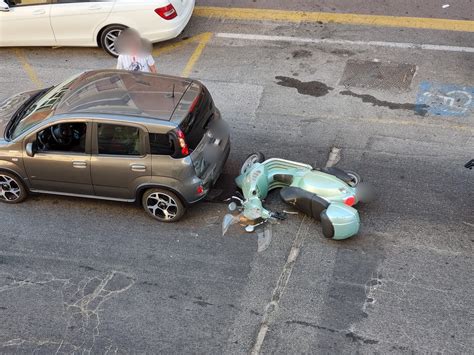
x: 161, y: 144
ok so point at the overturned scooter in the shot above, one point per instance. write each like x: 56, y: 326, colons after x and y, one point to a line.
x: 325, y: 194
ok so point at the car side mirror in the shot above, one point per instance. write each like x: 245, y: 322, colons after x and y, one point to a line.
x: 30, y: 149
x: 4, y: 6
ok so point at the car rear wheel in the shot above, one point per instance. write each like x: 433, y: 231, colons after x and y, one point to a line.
x: 12, y: 189
x: 163, y: 205
x: 108, y: 37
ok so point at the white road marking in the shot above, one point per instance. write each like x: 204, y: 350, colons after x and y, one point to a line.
x: 334, y: 157
x: 280, y: 287
x: 399, y: 45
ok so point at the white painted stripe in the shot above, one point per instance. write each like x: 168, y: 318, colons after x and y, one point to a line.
x: 278, y: 291
x: 433, y: 47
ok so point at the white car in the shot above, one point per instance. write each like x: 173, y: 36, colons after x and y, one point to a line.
x: 89, y: 23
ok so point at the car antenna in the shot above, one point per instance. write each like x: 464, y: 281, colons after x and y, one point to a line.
x: 172, y: 95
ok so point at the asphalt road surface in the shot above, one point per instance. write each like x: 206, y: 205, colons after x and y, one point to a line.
x: 80, y: 276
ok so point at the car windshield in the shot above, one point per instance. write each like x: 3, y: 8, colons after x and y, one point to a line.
x: 41, y: 108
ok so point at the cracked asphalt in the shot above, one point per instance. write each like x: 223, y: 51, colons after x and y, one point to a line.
x: 82, y: 276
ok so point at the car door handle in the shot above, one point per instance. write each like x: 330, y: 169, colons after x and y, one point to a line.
x: 79, y: 164
x: 138, y: 167
x: 39, y: 12
x: 94, y: 7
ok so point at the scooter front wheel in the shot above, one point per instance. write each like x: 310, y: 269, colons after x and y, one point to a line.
x: 252, y: 159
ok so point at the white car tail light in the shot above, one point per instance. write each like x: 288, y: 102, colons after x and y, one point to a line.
x: 167, y: 12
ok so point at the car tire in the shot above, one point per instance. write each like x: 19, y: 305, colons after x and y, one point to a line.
x: 12, y: 189
x: 253, y: 158
x: 163, y: 205
x: 108, y: 37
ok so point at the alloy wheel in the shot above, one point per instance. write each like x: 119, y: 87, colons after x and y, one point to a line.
x: 109, y: 40
x: 9, y: 189
x: 162, y: 206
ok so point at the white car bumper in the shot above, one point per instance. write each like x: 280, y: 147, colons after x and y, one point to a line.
x: 173, y: 29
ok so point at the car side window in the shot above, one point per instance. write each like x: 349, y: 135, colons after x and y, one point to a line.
x: 161, y: 144
x: 115, y: 139
x: 63, y: 137
x: 27, y: 2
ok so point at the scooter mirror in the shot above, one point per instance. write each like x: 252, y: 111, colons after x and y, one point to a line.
x: 228, y: 221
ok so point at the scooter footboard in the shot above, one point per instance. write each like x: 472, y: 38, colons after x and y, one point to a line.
x: 310, y: 204
x: 338, y: 220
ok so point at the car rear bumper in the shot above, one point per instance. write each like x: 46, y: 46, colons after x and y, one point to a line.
x: 213, y: 175
x: 172, y: 29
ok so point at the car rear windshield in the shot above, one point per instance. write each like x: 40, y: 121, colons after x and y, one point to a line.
x: 125, y: 93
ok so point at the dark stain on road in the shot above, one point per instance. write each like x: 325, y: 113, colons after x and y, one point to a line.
x: 311, y: 88
x: 357, y: 338
x: 350, y: 335
x: 203, y: 303
x: 87, y: 268
x: 311, y: 325
x: 301, y: 53
x: 420, y: 110
x: 343, y: 52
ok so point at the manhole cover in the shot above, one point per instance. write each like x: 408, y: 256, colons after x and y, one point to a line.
x: 378, y: 75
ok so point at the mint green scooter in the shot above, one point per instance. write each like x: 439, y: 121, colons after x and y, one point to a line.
x: 328, y: 195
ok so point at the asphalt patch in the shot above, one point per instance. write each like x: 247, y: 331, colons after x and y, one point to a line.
x: 418, y: 109
x: 311, y: 88
x: 378, y: 75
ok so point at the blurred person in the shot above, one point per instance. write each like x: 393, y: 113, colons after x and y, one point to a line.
x: 134, y: 52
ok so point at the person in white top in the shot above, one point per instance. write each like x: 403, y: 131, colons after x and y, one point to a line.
x: 134, y: 53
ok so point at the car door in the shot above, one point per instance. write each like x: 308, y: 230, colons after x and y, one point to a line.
x: 74, y: 22
x: 60, y: 168
x: 26, y: 23
x: 120, y: 161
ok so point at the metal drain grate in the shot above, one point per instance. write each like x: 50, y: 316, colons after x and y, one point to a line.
x: 378, y: 75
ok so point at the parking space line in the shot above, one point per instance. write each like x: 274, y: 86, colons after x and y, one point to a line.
x: 183, y: 42
x: 327, y: 17
x: 196, y: 54
x: 20, y: 54
x: 399, y: 45
x: 201, y: 39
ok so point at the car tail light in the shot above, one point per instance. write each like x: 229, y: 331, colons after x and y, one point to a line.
x: 167, y: 12
x: 194, y: 103
x: 349, y: 201
x: 200, y: 190
x: 182, y: 143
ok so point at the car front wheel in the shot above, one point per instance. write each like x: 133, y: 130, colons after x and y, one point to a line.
x: 12, y: 189
x: 108, y: 37
x: 163, y: 205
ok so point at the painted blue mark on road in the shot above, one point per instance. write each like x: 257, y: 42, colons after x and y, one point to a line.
x: 445, y: 99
